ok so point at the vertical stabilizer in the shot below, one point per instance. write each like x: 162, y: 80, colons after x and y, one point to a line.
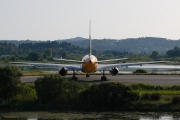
x: 90, y: 39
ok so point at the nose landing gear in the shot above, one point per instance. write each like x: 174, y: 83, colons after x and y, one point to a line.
x: 87, y: 75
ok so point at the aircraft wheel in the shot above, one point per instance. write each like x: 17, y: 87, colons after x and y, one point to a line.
x: 87, y: 75
x: 103, y: 78
x: 74, y: 78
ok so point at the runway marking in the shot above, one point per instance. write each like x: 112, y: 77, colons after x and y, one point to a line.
x: 175, y: 78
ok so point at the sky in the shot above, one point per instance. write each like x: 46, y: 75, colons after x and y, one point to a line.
x: 110, y: 19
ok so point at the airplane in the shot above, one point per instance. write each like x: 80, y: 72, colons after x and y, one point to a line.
x: 88, y: 65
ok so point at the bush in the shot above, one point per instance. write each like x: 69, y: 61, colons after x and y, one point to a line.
x: 26, y: 93
x: 146, y: 96
x: 150, y: 96
x: 12, y: 90
x: 175, y: 87
x: 107, y: 96
x: 9, y: 81
x: 175, y: 100
x: 140, y: 71
x: 51, y: 89
x: 55, y: 89
x: 155, y: 96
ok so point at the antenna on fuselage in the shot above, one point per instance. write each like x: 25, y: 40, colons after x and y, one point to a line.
x: 90, y: 38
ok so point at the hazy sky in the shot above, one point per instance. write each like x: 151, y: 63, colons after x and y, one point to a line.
x: 115, y: 19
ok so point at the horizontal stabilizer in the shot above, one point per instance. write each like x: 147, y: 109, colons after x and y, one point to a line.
x: 67, y: 60
x: 111, y: 60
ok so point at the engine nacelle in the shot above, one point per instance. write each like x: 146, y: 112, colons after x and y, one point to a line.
x: 114, y: 71
x: 63, y: 71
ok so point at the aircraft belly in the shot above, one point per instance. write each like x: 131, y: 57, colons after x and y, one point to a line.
x: 89, y: 67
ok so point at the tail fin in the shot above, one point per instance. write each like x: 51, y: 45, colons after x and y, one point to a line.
x: 90, y: 39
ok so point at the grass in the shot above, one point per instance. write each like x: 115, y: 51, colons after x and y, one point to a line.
x: 154, y: 98
x: 55, y: 115
x: 161, y: 92
x: 37, y: 73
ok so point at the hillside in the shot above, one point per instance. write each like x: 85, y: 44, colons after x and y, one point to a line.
x: 134, y: 45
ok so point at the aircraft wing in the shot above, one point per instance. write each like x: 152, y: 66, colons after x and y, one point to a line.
x: 50, y: 65
x: 106, y: 66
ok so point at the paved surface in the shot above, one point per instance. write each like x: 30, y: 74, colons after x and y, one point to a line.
x: 165, y: 80
x: 29, y: 79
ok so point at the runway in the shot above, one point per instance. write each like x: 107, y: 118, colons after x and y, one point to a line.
x: 164, y: 80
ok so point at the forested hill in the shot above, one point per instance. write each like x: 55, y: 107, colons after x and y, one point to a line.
x: 134, y: 45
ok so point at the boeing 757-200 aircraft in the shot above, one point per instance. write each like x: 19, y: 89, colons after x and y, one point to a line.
x: 88, y: 65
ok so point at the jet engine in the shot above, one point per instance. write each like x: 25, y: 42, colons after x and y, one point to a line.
x: 63, y: 71
x: 114, y: 71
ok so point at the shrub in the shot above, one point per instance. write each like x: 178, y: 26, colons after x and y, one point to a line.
x: 27, y: 93
x: 140, y: 71
x: 56, y: 89
x: 12, y: 90
x: 158, y: 87
x: 146, y: 96
x: 150, y: 96
x: 175, y: 87
x: 9, y: 81
x: 175, y: 100
x: 107, y: 96
x: 51, y: 89
x: 155, y: 96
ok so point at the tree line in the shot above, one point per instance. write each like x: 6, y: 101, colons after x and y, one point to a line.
x: 133, y: 45
x: 39, y: 51
x: 45, y: 51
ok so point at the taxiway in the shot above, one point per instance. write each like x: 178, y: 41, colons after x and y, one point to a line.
x: 164, y: 80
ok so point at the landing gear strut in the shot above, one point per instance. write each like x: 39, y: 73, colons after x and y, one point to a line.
x: 87, y: 75
x: 74, y: 76
x: 103, y: 78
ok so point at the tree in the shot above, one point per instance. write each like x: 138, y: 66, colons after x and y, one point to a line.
x: 13, y: 58
x: 34, y: 56
x: 51, y: 89
x: 174, y: 53
x: 9, y: 80
x: 48, y: 52
x: 64, y: 54
x: 154, y: 54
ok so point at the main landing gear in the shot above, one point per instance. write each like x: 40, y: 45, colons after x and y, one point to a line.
x: 103, y: 78
x: 74, y: 76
